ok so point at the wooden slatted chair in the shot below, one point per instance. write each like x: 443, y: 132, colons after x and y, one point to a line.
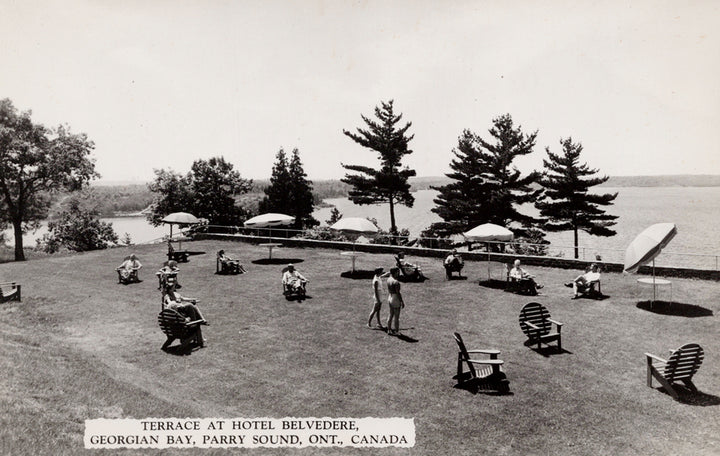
x: 9, y: 291
x: 536, y: 323
x: 226, y: 266
x: 181, y: 256
x: 682, y: 364
x: 175, y: 326
x: 488, y: 375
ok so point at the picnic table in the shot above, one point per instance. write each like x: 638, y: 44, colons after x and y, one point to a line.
x: 654, y: 281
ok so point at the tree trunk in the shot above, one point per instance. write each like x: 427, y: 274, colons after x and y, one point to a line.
x: 19, y: 252
x: 576, y: 243
x: 393, y: 228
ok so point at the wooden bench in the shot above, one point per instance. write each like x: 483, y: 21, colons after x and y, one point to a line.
x: 9, y: 291
x: 536, y: 323
x: 175, y: 326
x: 488, y: 376
x: 680, y: 367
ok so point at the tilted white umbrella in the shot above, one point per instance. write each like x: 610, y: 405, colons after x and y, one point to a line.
x: 648, y: 245
x: 181, y: 219
x: 488, y: 232
x: 269, y: 220
x: 355, y: 227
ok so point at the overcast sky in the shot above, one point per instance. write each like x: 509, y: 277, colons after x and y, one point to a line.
x: 159, y: 84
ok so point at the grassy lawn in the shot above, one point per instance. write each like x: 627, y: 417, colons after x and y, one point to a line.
x: 80, y: 346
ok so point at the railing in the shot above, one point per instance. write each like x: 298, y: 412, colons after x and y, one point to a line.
x: 666, y: 259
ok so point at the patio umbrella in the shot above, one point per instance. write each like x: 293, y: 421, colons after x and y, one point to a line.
x: 181, y: 219
x: 355, y: 227
x: 647, y: 245
x: 269, y: 220
x: 489, y: 232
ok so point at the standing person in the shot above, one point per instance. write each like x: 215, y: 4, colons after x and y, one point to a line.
x: 395, y: 301
x: 376, y: 294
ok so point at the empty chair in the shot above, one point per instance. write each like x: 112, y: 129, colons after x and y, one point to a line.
x: 9, y: 291
x: 537, y: 325
x: 681, y: 366
x: 485, y: 373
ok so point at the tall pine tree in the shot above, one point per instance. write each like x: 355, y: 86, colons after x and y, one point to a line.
x: 301, y: 195
x: 276, y: 194
x: 486, y: 187
x: 290, y: 192
x: 567, y: 203
x: 388, y: 184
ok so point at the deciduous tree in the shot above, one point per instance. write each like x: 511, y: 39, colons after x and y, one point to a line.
x: 35, y: 161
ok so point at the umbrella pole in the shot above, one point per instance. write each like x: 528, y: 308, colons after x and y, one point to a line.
x: 654, y: 284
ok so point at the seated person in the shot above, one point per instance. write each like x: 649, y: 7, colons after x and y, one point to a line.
x: 408, y: 269
x: 170, y: 269
x: 526, y: 281
x: 453, y: 262
x: 584, y: 282
x: 129, y: 268
x: 231, y: 264
x: 184, y: 306
x: 293, y: 281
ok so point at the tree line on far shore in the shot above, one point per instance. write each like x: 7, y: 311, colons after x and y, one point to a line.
x: 38, y: 163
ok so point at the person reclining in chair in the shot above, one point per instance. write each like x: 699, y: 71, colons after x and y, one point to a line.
x: 187, y: 307
x: 293, y: 281
x: 170, y: 269
x: 584, y: 282
x: 525, y: 280
x: 408, y: 269
x: 129, y: 268
x: 230, y: 263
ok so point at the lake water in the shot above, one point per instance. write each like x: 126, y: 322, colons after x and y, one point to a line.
x: 695, y: 210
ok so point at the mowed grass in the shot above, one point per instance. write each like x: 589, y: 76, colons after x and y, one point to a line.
x: 81, y: 346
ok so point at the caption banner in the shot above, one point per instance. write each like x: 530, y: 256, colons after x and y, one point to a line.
x: 249, y: 433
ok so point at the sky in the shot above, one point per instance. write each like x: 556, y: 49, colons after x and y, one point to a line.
x: 159, y: 83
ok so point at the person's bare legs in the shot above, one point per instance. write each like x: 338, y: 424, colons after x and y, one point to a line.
x: 375, y: 312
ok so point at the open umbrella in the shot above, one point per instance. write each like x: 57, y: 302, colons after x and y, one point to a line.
x: 181, y: 219
x: 269, y: 220
x: 355, y: 227
x: 647, y: 245
x: 488, y: 232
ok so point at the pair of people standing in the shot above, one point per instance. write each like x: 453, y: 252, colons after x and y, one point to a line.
x: 395, y: 300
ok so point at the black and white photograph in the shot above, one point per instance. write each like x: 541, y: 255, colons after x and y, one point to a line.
x: 360, y: 227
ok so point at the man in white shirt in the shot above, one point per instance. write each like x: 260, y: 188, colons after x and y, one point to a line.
x: 293, y: 280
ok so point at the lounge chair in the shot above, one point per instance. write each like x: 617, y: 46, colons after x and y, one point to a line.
x: 487, y: 376
x: 537, y: 325
x: 681, y: 366
x: 9, y: 291
x: 175, y: 326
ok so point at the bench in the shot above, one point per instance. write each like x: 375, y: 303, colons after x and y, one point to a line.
x: 175, y: 326
x: 9, y: 291
x: 680, y: 367
x: 536, y: 323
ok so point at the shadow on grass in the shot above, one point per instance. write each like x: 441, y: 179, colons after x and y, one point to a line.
x: 478, y: 385
x: 408, y: 279
x: 358, y: 274
x: 179, y: 350
x: 677, y: 309
x: 495, y: 284
x: 689, y: 397
x: 405, y: 338
x: 593, y: 296
x: 284, y: 261
x: 546, y: 350
x: 297, y: 297
x: 130, y: 282
x: 191, y: 253
x: 452, y: 277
